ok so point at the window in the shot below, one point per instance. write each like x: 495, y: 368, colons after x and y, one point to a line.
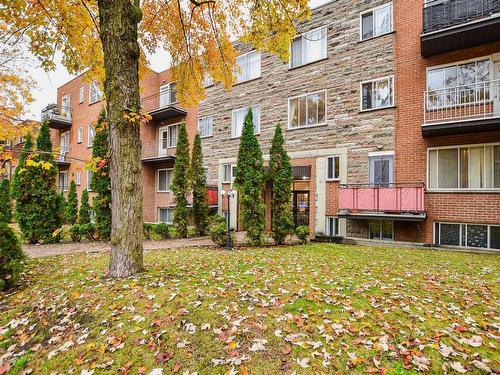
x: 94, y: 92
x: 458, y: 84
x: 381, y: 230
x: 173, y: 133
x: 309, y: 47
x: 381, y: 169
x: 376, y: 22
x: 228, y: 173
x: 168, y: 94
x: 80, y: 96
x: 89, y: 180
x: 90, y: 135
x: 79, y: 134
x: 63, y: 182
x: 66, y: 106
x: 78, y: 178
x: 307, y: 110
x: 466, y: 167
x: 467, y: 235
x: 205, y: 169
x: 249, y: 66
x: 333, y: 167
x: 238, y: 119
x: 205, y: 125
x: 207, y: 80
x: 332, y: 226
x: 164, y: 179
x: 378, y: 93
x: 166, y: 215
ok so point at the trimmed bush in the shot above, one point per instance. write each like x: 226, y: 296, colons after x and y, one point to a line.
x: 303, y: 233
x: 218, y: 234
x: 83, y: 232
x: 199, y: 187
x: 5, y: 202
x: 71, y: 211
x: 84, y: 214
x: 156, y: 231
x: 180, y: 182
x: 11, y: 257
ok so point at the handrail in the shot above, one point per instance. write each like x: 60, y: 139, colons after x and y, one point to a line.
x: 158, y: 148
x: 382, y: 185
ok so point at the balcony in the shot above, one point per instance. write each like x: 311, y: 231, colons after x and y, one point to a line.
x: 58, y: 117
x: 62, y: 159
x: 400, y: 202
x: 160, y: 150
x: 462, y: 109
x: 162, y: 106
x: 451, y: 25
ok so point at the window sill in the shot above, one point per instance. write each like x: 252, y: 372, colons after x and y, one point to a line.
x: 248, y: 80
x: 308, y: 126
x: 94, y: 102
x: 461, y: 191
x: 332, y: 180
x: 376, y: 37
x: 163, y: 191
x: 307, y: 64
x: 207, y: 136
x: 377, y: 109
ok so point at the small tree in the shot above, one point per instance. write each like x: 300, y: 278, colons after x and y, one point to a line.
x: 280, y: 174
x: 84, y: 214
x: 249, y: 182
x: 5, y: 202
x: 180, y: 183
x: 71, y: 211
x: 199, y: 188
x: 101, y: 183
x: 11, y: 257
x: 16, y: 179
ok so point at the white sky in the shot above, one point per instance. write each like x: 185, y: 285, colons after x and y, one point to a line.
x: 47, y: 83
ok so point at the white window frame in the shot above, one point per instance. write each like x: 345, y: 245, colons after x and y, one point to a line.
x: 211, y: 127
x: 207, y: 80
x: 98, y: 97
x: 391, y: 105
x: 460, y: 236
x: 89, y: 179
x: 169, y: 182
x: 167, y: 87
x: 336, y: 226
x: 456, y: 147
x: 81, y: 94
x: 373, y: 10
x: 90, y: 130
x: 256, y: 128
x: 79, y: 135
x: 78, y: 178
x: 340, y: 166
x: 64, y: 188
x: 232, y: 170
x: 241, y: 70
x: 304, y: 35
x: 158, y: 214
x: 306, y: 95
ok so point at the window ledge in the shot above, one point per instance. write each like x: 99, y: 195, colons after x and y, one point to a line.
x: 376, y: 37
x: 307, y: 64
x: 163, y: 191
x: 332, y: 180
x: 461, y: 191
x: 207, y: 136
x: 307, y: 126
x: 97, y: 101
x: 377, y: 109
x: 248, y: 80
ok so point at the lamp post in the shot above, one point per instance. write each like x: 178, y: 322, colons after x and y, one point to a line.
x: 229, y: 194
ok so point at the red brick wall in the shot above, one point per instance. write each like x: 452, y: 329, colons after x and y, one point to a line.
x: 332, y: 198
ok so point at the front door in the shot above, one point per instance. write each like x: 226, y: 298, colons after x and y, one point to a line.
x: 64, y: 145
x: 163, y: 142
x: 496, y: 89
x: 300, y: 208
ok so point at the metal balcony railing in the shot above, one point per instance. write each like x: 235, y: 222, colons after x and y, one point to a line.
x: 391, y: 197
x: 159, y: 100
x: 465, y: 102
x: 63, y: 155
x: 441, y: 14
x: 159, y: 148
x: 57, y: 113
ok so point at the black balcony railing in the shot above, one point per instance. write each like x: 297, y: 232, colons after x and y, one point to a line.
x: 441, y: 14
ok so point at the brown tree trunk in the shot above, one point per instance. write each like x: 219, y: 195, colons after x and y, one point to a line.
x: 118, y: 29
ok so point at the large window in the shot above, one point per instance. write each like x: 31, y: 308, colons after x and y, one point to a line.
x: 166, y: 215
x: 205, y: 125
x: 307, y: 110
x: 466, y: 167
x: 331, y: 226
x: 378, y: 93
x: 458, y: 84
x: 90, y: 135
x: 63, y: 182
x: 249, y: 66
x: 376, y: 22
x: 381, y: 230
x: 333, y: 168
x: 238, y: 118
x: 168, y: 137
x: 94, y: 92
x: 164, y: 179
x: 228, y: 173
x: 467, y: 235
x: 309, y: 47
x: 168, y: 94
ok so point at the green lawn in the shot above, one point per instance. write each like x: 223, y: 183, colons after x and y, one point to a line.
x: 318, y: 308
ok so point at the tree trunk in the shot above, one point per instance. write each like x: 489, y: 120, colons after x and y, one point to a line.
x: 118, y: 29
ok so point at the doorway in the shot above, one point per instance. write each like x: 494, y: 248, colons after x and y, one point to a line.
x: 301, y: 205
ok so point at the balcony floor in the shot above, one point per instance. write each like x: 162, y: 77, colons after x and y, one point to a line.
x: 367, y: 215
x: 461, y: 127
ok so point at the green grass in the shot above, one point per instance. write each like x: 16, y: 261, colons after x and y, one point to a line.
x: 363, y: 310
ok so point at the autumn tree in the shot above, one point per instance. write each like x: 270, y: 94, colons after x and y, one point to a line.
x: 105, y: 36
x: 71, y: 209
x: 280, y: 174
x: 199, y: 188
x: 180, y: 182
x: 249, y: 182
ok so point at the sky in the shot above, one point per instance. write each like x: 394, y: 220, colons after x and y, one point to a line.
x: 47, y: 83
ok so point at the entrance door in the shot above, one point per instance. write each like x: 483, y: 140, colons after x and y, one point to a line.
x: 163, y: 142
x: 301, y: 208
x: 496, y: 89
x: 64, y: 145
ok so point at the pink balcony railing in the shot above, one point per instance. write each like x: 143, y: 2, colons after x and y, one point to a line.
x: 395, y: 198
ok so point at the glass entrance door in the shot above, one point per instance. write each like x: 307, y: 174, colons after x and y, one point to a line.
x: 301, y: 208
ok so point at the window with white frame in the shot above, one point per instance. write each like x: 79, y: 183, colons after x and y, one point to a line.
x: 333, y: 167
x: 381, y: 230
x: 376, y: 21
x: 168, y: 94
x: 94, y: 92
x: 458, y: 84
x: 78, y: 178
x: 377, y: 93
x: 228, y: 173
x: 63, y: 182
x: 467, y: 235
x: 205, y: 170
x: 238, y: 119
x: 166, y: 215
x: 207, y: 80
x: 81, y: 95
x: 173, y: 134
x: 332, y: 226
x: 308, y: 47
x: 89, y: 180
x: 205, y: 125
x: 90, y: 135
x: 249, y: 66
x: 79, y: 135
x: 464, y: 167
x: 307, y: 110
x: 164, y: 180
